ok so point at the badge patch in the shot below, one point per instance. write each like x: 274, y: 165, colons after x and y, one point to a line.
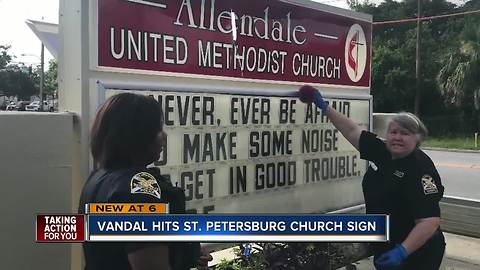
x: 145, y: 183
x: 398, y: 173
x: 429, y: 186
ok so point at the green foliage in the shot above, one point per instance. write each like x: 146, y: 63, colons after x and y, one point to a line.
x: 5, y: 58
x: 15, y: 79
x: 453, y: 142
x: 51, y: 83
x: 254, y: 262
x: 458, y: 77
x: 15, y: 82
x: 24, y: 81
x: 286, y: 256
x: 449, y: 58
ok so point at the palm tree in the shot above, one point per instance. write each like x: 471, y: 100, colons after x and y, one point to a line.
x: 458, y: 78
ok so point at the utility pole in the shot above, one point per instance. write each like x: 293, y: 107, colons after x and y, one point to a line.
x: 42, y: 76
x: 418, y: 75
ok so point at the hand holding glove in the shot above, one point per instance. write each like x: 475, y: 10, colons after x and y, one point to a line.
x: 391, y: 259
x: 308, y: 94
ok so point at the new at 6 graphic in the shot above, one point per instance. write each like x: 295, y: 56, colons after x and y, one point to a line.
x: 60, y: 228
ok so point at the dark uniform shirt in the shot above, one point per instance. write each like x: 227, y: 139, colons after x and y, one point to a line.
x: 407, y: 189
x: 133, y: 185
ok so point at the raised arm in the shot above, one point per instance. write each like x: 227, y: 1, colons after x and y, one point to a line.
x: 349, y: 129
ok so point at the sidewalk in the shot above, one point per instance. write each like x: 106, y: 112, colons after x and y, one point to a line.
x: 462, y: 253
x: 451, y: 149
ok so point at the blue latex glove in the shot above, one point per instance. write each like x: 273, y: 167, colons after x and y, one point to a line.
x: 246, y: 250
x: 320, y: 102
x: 391, y: 259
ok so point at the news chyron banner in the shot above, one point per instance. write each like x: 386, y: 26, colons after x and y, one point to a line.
x: 151, y: 222
x: 258, y: 154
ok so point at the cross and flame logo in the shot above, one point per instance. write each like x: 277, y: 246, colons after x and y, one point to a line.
x: 355, y: 53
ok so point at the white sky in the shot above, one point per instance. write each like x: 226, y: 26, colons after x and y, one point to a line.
x: 15, y: 32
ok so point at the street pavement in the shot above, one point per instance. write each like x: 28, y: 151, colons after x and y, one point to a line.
x: 459, y: 172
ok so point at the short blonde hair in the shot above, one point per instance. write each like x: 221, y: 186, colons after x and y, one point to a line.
x: 412, y: 123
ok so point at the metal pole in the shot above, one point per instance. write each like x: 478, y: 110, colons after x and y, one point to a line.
x: 476, y: 139
x: 417, y: 64
x: 41, y: 77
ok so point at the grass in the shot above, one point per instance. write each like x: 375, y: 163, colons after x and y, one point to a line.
x: 456, y: 143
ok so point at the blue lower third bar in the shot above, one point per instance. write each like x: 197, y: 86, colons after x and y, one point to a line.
x: 238, y: 228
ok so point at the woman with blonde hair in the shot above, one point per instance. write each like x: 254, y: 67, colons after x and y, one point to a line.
x: 401, y: 181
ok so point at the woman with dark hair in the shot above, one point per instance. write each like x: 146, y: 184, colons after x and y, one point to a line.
x: 126, y: 136
x: 127, y: 130
x: 401, y: 181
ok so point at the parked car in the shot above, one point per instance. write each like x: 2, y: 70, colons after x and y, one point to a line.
x: 21, y: 105
x: 12, y: 106
x: 35, y: 106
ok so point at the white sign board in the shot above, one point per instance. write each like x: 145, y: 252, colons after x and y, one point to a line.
x: 239, y: 153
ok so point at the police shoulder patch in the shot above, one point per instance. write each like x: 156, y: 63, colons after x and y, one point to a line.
x: 145, y: 183
x: 428, y: 184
